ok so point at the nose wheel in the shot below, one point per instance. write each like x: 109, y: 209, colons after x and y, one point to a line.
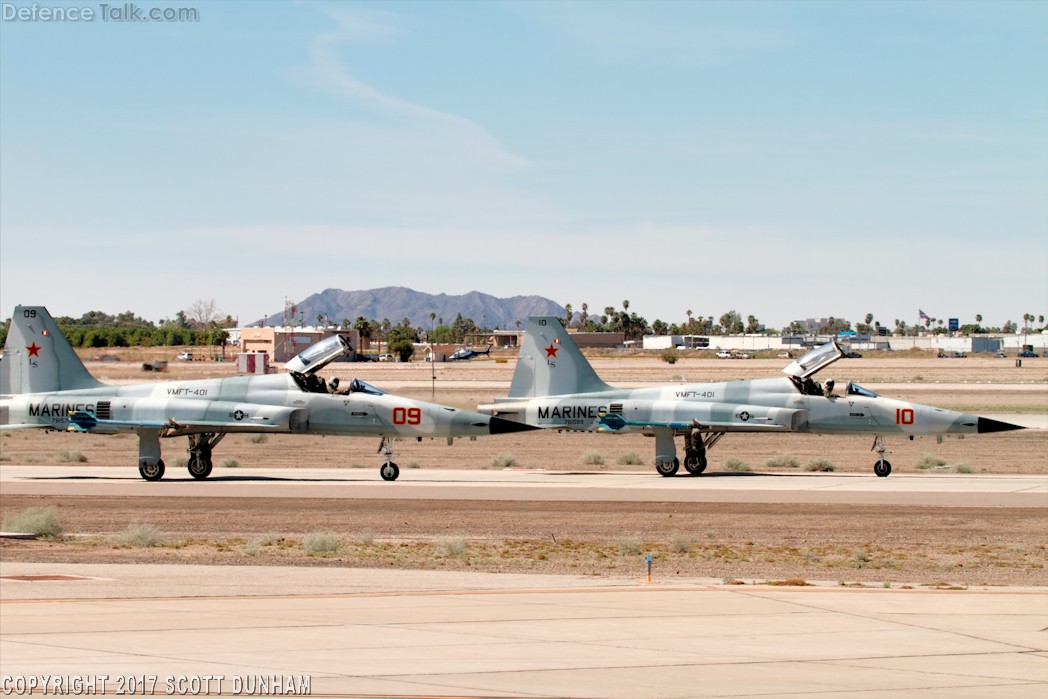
x: 882, y: 467
x: 389, y: 470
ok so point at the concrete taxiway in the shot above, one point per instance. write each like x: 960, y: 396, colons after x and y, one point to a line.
x: 429, y: 633
x: 530, y: 484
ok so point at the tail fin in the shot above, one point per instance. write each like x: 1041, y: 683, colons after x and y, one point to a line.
x: 38, y: 358
x: 550, y: 363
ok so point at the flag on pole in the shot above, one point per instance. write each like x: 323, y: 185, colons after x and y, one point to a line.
x: 921, y: 315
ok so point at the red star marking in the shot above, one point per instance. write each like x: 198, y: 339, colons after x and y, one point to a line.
x: 551, y: 351
x: 34, y: 351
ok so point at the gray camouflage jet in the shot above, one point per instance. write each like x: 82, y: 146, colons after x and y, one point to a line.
x: 555, y: 387
x: 44, y: 385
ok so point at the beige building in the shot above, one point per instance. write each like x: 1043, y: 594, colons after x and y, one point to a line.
x: 281, y: 344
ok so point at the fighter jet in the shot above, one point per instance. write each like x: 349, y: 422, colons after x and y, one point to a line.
x: 555, y: 387
x: 44, y: 385
x: 467, y: 353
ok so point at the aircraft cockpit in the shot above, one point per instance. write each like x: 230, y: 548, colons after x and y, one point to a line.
x: 801, y: 370
x: 304, y: 367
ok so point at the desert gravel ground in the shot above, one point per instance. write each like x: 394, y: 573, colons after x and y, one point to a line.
x: 870, y: 544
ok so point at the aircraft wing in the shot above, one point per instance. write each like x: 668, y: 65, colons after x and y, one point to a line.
x: 87, y: 421
x: 730, y: 418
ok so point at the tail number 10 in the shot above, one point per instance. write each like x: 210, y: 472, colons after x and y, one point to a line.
x: 904, y: 416
x: 412, y: 416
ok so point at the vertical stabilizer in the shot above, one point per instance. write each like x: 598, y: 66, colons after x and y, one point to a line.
x: 38, y: 358
x: 550, y: 363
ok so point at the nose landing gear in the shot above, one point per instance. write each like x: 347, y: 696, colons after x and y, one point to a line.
x: 389, y: 470
x: 882, y: 467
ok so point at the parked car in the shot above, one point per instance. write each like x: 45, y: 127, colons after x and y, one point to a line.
x: 852, y: 355
x: 1027, y: 353
x: 185, y: 357
x: 1000, y: 355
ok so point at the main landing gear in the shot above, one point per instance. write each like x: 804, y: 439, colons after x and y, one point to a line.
x: 881, y: 467
x: 695, y: 445
x: 200, y: 446
x: 389, y: 470
x: 199, y: 464
x: 151, y: 472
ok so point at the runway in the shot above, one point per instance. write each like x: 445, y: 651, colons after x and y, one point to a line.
x: 951, y: 490
x: 354, y: 632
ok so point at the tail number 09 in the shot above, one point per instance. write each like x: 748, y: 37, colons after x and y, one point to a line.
x: 904, y: 416
x: 407, y: 416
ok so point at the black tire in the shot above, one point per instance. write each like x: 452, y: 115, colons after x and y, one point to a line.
x: 152, y: 472
x: 199, y: 466
x: 882, y: 468
x: 694, y: 462
x: 668, y: 468
x: 389, y: 471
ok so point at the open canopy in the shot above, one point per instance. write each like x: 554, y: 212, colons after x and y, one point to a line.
x: 819, y: 358
x: 316, y: 357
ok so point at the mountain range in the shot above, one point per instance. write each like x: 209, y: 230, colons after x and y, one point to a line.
x: 397, y: 303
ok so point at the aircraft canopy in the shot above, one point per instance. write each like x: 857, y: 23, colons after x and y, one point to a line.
x: 317, y: 356
x: 819, y: 358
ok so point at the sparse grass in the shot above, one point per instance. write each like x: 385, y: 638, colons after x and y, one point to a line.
x: 40, y: 521
x: 738, y: 465
x: 71, y: 456
x: 630, y: 459
x: 629, y: 545
x: 229, y: 462
x: 367, y: 538
x: 258, y: 438
x: 670, y: 355
x: 790, y: 582
x: 138, y: 536
x: 455, y: 546
x: 859, y: 559
x: 260, y: 541
x: 593, y: 458
x: 680, y: 543
x: 413, y: 464
x: 930, y: 461
x: 34, y: 459
x: 820, y: 464
x: 963, y: 468
x: 321, y: 543
x: 503, y: 461
x: 783, y: 461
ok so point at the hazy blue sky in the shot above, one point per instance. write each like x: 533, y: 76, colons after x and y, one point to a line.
x: 783, y: 159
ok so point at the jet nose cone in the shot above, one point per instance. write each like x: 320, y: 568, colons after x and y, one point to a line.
x: 499, y: 425
x: 987, y: 425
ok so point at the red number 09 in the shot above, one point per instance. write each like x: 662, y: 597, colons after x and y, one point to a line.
x: 904, y: 416
x: 407, y: 416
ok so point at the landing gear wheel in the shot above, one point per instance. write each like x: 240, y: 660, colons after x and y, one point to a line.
x: 695, y: 462
x: 199, y: 466
x: 389, y: 471
x: 668, y: 468
x: 151, y: 472
x: 882, y: 468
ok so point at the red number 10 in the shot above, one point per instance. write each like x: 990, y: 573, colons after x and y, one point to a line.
x: 904, y: 416
x: 411, y: 416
